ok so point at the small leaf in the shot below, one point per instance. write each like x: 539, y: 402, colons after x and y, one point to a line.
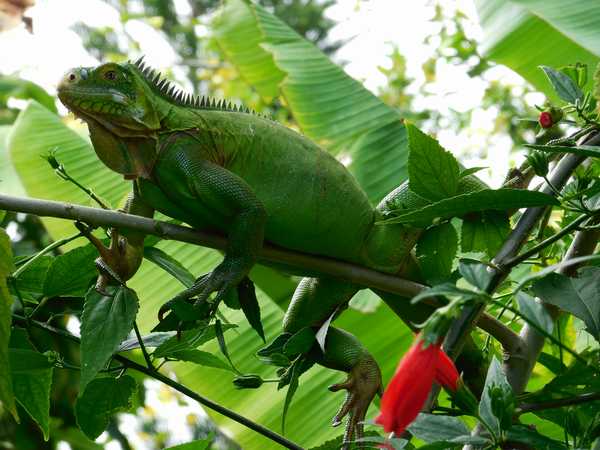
x: 150, y: 340
x: 300, y: 342
x: 578, y: 296
x: 476, y: 273
x: 222, y: 344
x: 446, y: 290
x: 486, y: 199
x: 71, y: 273
x: 169, y: 265
x: 100, y: 400
x: 105, y: 323
x: 32, y: 379
x: 433, y: 172
x: 470, y: 171
x: 583, y: 150
x: 7, y: 397
x: 535, y: 312
x: 189, y: 339
x: 293, y: 385
x: 563, y: 85
x: 495, y: 382
x: 30, y: 282
x: 435, y: 252
x: 484, y: 232
x: 525, y: 435
x: 432, y: 428
x: 201, y: 358
x: 250, y: 306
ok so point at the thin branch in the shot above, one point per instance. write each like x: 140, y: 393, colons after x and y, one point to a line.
x: 138, y: 335
x: 559, y: 402
x: 269, y: 254
x: 169, y: 382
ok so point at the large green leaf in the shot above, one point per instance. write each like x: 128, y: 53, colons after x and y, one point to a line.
x: 37, y: 131
x: 524, y: 34
x: 7, y: 397
x: 330, y: 107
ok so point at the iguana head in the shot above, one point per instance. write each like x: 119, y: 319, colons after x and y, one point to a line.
x: 115, y: 96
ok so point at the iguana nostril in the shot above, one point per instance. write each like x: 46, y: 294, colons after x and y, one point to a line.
x: 72, y: 77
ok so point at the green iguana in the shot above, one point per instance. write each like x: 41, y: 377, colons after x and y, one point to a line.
x: 219, y: 167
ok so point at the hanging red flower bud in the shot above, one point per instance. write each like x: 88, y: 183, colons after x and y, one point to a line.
x: 545, y: 119
x: 408, y: 390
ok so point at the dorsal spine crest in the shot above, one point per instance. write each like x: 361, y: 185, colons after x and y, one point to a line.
x: 167, y: 90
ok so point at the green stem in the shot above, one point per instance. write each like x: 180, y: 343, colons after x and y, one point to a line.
x: 275, y: 437
x: 143, y: 346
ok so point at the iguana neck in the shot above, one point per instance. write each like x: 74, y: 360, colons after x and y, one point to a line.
x: 132, y: 157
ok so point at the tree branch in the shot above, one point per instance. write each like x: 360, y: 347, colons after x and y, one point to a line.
x: 269, y: 254
x: 169, y: 382
x: 559, y: 402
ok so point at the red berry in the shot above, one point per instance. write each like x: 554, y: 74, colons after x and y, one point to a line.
x: 545, y: 119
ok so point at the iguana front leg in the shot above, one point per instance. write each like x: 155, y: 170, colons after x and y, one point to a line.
x: 122, y: 258
x: 231, y: 201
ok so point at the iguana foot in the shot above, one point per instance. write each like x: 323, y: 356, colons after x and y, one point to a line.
x: 363, y: 382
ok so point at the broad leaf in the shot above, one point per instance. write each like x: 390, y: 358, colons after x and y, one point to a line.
x: 101, y: 399
x: 170, y: 265
x: 432, y: 428
x: 435, y: 251
x: 433, y: 171
x: 6, y: 267
x: 189, y: 339
x: 533, y: 439
x: 150, y: 340
x: 535, y: 312
x: 564, y: 86
x: 30, y: 282
x: 330, y: 107
x: 484, y: 232
x: 579, y: 296
x: 32, y: 378
x: 475, y: 272
x: 105, y: 323
x: 70, y: 274
x: 250, y: 307
x: 524, y: 34
x: 201, y: 358
x: 300, y: 342
x: 486, y: 199
x: 195, y: 445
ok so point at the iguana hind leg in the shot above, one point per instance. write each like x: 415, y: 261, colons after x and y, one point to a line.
x: 314, y: 300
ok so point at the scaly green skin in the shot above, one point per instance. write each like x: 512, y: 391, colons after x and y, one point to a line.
x: 235, y: 172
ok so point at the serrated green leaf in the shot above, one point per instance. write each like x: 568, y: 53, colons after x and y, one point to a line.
x: 32, y: 379
x: 484, y: 232
x: 170, y: 265
x: 6, y: 268
x: 101, y: 399
x: 436, y: 249
x: 291, y: 390
x: 222, y: 343
x: 563, y: 85
x: 432, y: 428
x: 201, y: 358
x: 30, y: 282
x: 486, y: 199
x: 105, y: 323
x: 578, y: 296
x: 433, y: 172
x: 535, y: 312
x: 70, y: 274
x: 189, y: 339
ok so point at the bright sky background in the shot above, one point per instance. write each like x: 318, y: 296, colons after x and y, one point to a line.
x: 369, y: 27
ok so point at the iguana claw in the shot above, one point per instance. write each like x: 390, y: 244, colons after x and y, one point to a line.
x: 363, y: 382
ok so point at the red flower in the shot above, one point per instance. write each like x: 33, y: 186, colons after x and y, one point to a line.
x: 407, y: 392
x: 546, y: 120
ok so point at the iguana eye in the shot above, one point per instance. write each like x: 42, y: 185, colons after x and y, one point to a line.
x: 110, y: 75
